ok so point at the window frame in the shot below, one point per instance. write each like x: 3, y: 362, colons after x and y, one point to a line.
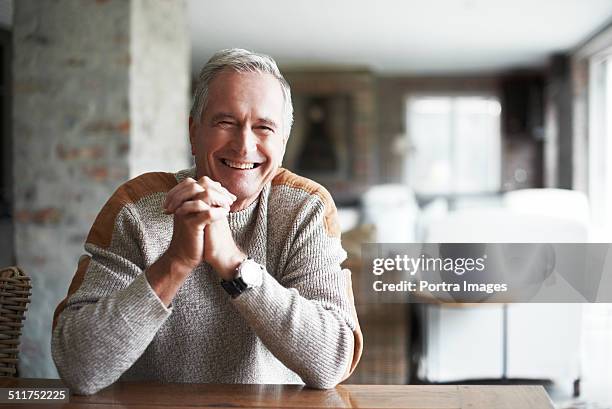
x: 410, y: 147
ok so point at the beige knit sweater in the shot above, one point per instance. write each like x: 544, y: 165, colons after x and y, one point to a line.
x: 300, y: 326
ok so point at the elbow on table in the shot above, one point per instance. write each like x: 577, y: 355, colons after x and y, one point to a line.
x: 81, y: 388
x: 76, y: 380
x: 331, y: 374
x: 323, y: 380
x: 76, y: 377
x: 323, y: 385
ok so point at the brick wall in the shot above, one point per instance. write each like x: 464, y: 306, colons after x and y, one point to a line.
x: 93, y: 106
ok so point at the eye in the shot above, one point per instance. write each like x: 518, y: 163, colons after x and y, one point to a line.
x: 266, y: 129
x: 225, y: 124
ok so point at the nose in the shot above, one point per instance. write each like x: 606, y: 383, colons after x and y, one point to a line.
x: 245, y: 142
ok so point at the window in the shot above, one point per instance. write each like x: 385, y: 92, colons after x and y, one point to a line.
x: 596, y: 331
x: 600, y: 143
x: 455, y: 144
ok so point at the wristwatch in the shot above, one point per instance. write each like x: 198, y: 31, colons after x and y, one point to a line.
x: 249, y: 274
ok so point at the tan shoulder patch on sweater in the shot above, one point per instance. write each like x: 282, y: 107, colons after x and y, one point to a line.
x: 287, y: 178
x: 130, y: 192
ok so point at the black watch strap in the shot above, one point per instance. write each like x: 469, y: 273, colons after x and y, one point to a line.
x: 234, y: 287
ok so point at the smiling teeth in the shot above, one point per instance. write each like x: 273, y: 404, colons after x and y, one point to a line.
x: 238, y: 165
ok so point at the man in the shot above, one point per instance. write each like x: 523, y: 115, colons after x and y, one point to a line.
x: 226, y: 273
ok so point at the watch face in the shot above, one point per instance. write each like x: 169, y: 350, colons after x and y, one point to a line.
x: 251, y: 273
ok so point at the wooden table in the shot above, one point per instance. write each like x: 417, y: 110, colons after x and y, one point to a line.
x: 143, y: 395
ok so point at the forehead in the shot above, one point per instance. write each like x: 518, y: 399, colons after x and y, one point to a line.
x: 235, y: 92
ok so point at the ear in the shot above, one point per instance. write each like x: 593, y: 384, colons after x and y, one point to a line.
x: 192, y: 134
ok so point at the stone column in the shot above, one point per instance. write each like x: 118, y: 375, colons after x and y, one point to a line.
x: 100, y: 95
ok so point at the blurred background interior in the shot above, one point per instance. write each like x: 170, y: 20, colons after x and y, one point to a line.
x: 437, y: 120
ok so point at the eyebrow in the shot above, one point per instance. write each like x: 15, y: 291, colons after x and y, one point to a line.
x: 268, y: 122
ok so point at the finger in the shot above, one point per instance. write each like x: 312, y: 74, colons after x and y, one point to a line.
x: 216, y: 213
x: 208, y: 183
x: 224, y: 192
x: 176, y: 188
x: 179, y: 187
x: 187, y: 192
x: 215, y: 198
x: 192, y: 206
x: 201, y: 212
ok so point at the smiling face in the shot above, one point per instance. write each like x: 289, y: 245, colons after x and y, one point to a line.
x: 240, y: 140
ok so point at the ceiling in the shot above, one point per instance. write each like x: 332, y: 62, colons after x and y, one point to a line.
x: 397, y: 36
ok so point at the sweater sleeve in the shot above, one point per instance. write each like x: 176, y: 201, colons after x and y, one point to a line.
x: 111, y: 313
x: 307, y: 318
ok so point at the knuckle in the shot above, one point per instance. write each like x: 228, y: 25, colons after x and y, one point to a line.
x: 193, y: 189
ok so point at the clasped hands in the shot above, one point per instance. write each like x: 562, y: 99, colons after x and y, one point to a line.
x: 201, y: 231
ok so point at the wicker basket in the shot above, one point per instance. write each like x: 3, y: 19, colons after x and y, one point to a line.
x: 15, y: 292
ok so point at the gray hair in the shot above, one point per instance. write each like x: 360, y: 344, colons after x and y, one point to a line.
x: 242, y: 61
